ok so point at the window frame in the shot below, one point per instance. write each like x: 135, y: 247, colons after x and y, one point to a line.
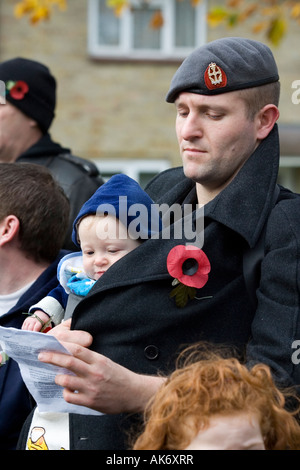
x: 132, y: 168
x: 125, y: 51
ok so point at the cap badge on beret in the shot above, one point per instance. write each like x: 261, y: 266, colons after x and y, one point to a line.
x: 17, y: 89
x: 214, y: 77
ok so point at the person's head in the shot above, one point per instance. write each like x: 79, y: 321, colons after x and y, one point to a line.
x: 226, y: 94
x: 103, y: 241
x: 216, y: 402
x: 34, y: 211
x: 115, y: 220
x: 30, y: 95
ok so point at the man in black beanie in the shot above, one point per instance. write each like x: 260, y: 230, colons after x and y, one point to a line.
x: 25, y: 120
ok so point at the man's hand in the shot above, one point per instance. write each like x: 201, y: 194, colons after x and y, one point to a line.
x: 98, y: 383
x: 63, y: 333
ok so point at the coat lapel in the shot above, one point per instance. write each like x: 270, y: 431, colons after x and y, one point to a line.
x: 245, y: 203
x: 247, y: 198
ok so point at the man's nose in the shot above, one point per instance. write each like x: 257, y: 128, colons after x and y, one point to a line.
x: 191, y: 128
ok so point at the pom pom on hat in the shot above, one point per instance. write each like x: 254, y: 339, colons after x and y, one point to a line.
x: 31, y: 88
x: 224, y: 65
x: 122, y: 197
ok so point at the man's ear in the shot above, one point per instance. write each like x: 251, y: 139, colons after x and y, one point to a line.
x: 266, y: 119
x: 9, y: 229
x: 32, y: 123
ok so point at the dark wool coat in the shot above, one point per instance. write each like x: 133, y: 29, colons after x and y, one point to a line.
x: 15, y: 401
x: 78, y: 177
x: 134, y: 321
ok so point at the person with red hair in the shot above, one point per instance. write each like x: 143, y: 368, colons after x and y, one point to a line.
x: 217, y: 403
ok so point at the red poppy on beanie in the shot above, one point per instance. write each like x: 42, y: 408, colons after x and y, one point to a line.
x: 31, y: 88
x: 18, y: 91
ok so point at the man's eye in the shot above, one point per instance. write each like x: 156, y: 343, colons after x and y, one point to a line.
x: 182, y: 113
x: 214, y: 117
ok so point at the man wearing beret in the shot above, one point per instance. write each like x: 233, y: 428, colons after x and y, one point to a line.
x: 25, y: 120
x: 132, y: 324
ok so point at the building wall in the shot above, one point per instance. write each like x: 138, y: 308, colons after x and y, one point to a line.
x: 117, y: 110
x: 105, y: 110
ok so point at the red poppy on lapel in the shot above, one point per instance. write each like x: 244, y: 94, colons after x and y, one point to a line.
x: 189, y: 265
x: 190, y: 268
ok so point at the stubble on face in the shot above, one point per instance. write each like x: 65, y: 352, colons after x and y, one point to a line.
x: 215, y: 137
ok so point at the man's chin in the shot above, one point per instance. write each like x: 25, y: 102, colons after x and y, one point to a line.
x: 191, y: 173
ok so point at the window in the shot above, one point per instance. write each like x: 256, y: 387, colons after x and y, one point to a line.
x: 289, y: 170
x: 289, y: 173
x: 130, y: 36
x: 141, y: 171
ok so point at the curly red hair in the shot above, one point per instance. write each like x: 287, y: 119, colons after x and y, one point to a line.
x: 217, y: 386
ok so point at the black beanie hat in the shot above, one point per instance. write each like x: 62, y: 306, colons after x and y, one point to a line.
x: 31, y: 88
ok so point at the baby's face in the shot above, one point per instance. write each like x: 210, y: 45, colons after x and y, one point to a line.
x: 239, y: 431
x: 103, y: 241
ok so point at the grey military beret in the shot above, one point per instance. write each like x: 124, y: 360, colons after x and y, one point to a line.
x: 224, y: 65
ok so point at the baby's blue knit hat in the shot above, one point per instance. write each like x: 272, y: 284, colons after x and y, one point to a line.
x: 122, y: 197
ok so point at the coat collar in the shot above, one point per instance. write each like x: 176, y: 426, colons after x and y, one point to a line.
x: 242, y: 206
x: 245, y: 203
x: 44, y: 147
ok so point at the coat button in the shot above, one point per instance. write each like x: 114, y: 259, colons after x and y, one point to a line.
x: 151, y: 352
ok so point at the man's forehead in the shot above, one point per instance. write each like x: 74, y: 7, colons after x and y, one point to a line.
x: 215, y: 101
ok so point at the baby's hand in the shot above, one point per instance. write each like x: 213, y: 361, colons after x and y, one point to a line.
x: 36, y: 324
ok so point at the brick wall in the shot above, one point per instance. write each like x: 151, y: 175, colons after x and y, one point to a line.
x: 116, y: 110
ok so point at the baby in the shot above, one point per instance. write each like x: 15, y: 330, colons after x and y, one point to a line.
x: 105, y: 230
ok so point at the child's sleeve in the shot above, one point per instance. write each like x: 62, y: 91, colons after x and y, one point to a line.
x: 53, y: 304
